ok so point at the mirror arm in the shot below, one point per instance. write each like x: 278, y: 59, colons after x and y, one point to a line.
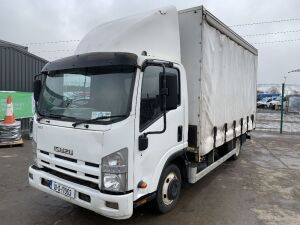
x: 158, y: 132
x: 37, y: 77
x: 164, y: 104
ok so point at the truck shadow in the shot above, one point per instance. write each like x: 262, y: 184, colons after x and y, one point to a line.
x: 189, y: 202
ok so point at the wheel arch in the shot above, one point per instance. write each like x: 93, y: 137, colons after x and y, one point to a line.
x: 177, y: 158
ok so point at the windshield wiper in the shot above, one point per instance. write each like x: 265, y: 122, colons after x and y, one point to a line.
x: 61, y: 116
x: 95, y: 119
x: 50, y: 115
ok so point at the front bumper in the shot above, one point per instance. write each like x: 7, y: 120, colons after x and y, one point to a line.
x: 97, y: 201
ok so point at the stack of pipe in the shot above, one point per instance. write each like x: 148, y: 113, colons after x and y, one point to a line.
x: 10, y: 132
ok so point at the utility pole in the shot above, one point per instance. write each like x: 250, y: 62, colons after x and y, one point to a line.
x: 282, y: 99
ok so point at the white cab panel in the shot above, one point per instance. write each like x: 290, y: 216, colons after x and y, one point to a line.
x: 86, y: 145
x: 155, y: 32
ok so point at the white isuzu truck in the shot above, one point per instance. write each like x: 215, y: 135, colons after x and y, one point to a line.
x: 145, y: 103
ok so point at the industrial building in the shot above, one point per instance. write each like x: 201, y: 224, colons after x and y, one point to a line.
x: 17, y: 70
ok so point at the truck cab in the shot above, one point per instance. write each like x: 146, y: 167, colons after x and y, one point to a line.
x: 104, y: 129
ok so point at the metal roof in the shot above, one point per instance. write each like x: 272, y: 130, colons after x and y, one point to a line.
x: 10, y: 44
x: 19, y: 48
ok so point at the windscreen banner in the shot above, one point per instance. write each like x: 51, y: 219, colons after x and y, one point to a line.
x: 23, y: 104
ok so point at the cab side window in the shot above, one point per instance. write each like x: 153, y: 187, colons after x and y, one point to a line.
x: 150, y: 100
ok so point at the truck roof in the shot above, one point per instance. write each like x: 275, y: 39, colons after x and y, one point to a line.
x: 155, y: 33
x: 224, y: 29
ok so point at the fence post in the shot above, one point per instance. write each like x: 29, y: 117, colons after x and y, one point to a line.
x: 282, y: 100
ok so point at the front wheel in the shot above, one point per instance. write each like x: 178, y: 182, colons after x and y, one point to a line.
x: 168, y: 189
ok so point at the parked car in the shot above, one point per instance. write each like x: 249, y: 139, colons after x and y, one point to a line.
x: 261, y: 96
x: 273, y: 103
x: 276, y: 104
x: 265, y: 101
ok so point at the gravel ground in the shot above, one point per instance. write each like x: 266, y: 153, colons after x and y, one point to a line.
x: 261, y: 187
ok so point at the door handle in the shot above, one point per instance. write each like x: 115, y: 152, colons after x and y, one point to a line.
x: 179, y: 133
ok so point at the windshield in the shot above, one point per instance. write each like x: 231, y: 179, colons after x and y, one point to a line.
x: 84, y: 94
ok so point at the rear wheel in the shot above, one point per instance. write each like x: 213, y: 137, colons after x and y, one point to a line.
x: 168, y: 189
x: 238, y: 147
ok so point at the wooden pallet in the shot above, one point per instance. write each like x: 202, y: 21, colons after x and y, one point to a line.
x: 10, y: 144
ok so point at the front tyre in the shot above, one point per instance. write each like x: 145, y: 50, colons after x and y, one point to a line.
x: 168, y: 189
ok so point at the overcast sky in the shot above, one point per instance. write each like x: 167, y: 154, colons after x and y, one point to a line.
x: 32, y: 21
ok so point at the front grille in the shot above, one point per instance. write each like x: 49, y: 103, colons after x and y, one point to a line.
x: 66, y: 158
x: 71, y: 179
x: 44, y: 152
x: 92, y: 164
x: 87, y: 171
x: 64, y: 168
x: 92, y: 176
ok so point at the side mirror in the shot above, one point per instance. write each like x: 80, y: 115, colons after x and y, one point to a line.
x: 143, y: 142
x: 170, y: 91
x: 37, y: 86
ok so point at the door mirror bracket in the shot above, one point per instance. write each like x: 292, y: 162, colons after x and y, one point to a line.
x: 169, y: 101
x: 37, y: 86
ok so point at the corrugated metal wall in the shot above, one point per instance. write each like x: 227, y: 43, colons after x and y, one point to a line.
x: 17, y: 70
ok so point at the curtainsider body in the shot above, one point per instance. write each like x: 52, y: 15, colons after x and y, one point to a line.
x: 221, y: 78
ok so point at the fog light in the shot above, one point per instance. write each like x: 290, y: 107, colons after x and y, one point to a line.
x: 84, y: 197
x: 30, y: 176
x: 45, y: 182
x: 112, y: 205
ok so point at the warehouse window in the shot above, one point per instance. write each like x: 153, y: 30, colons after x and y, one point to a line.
x: 150, y: 100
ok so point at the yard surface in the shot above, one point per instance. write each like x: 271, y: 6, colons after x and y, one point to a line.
x: 261, y: 187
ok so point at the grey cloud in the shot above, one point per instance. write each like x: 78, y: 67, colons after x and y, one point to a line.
x: 50, y: 20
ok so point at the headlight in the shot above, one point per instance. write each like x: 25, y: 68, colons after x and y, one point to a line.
x: 34, y: 151
x: 114, y: 171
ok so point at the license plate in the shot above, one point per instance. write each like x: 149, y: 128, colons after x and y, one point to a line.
x: 62, y: 189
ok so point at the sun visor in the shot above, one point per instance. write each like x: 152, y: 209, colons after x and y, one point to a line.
x: 89, y: 60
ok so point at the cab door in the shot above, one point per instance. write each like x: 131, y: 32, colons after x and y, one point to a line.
x: 150, y: 162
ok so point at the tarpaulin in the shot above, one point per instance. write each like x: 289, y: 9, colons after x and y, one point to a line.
x: 227, y: 87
